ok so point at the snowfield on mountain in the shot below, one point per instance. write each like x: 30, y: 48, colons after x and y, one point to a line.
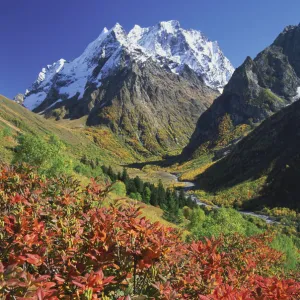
x: 166, y: 43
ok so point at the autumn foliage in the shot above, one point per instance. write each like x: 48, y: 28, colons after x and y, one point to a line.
x: 59, y: 241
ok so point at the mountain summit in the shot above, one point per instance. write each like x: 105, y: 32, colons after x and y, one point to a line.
x: 149, y: 86
x: 166, y: 43
x: 256, y: 90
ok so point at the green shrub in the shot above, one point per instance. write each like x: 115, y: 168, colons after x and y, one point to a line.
x: 48, y: 155
x: 5, y: 132
x: 221, y: 221
x: 286, y: 245
x: 119, y: 188
x: 136, y: 196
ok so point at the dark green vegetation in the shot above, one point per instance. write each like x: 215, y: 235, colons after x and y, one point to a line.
x: 257, y: 89
x: 169, y: 200
x: 206, y: 222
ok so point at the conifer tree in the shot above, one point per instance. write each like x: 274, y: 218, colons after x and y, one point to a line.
x: 181, y: 198
x: 125, y: 176
x: 161, y: 193
x: 139, y: 184
x: 154, y: 197
x: 147, y: 195
x: 131, y: 187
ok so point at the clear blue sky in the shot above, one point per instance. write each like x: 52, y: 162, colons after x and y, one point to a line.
x: 35, y: 33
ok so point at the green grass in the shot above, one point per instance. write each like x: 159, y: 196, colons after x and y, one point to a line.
x: 98, y: 143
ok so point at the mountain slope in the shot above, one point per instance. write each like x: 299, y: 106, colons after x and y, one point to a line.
x: 149, y: 86
x: 271, y: 150
x: 80, y: 140
x: 257, y: 89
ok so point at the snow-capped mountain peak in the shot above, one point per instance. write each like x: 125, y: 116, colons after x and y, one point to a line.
x: 185, y: 47
x: 169, y: 26
x: 167, y: 43
x: 104, y: 30
x: 120, y: 33
x: 48, y: 72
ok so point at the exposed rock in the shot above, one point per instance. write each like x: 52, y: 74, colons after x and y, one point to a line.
x: 257, y: 89
x: 19, y: 98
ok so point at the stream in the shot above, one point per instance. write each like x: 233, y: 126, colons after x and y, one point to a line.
x: 188, y: 186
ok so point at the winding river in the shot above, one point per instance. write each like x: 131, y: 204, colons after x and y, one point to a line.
x: 188, y: 186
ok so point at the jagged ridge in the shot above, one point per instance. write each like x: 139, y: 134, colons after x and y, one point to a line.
x: 257, y: 89
x: 166, y: 43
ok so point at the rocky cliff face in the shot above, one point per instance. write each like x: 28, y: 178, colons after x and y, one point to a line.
x: 257, y: 89
x: 149, y: 85
x: 19, y: 98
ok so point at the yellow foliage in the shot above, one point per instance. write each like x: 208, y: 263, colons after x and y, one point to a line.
x: 281, y: 212
x: 193, y: 173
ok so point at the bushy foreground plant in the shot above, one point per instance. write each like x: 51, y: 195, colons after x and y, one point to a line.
x: 58, y: 241
x: 47, y: 155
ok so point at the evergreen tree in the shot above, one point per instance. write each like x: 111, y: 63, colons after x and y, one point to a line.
x: 171, y: 206
x: 119, y: 176
x: 161, y: 193
x: 139, y: 184
x: 131, y: 188
x: 190, y: 203
x: 181, y: 198
x: 104, y: 169
x: 125, y: 177
x: 111, y: 174
x: 147, y: 195
x: 154, y: 197
x: 168, y: 201
x: 176, y: 200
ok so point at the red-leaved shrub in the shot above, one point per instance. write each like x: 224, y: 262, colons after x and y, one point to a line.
x: 58, y: 240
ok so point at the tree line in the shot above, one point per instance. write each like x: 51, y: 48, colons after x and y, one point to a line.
x: 169, y: 200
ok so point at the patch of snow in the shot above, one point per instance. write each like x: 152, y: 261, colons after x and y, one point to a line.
x: 170, y: 26
x: 59, y: 100
x: 168, y: 40
x: 297, y: 97
x: 47, y: 73
x: 34, y: 100
x: 166, y: 43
